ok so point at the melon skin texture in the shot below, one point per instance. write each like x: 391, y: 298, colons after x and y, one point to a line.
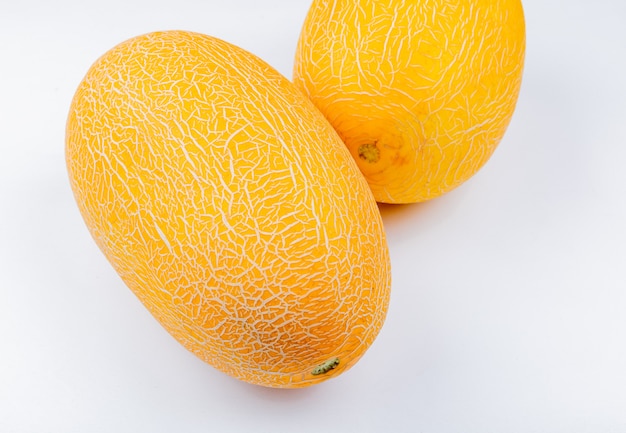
x: 230, y: 207
x: 421, y: 91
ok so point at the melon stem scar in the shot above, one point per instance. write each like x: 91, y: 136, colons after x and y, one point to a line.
x: 325, y: 367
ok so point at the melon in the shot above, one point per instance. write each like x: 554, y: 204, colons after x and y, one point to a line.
x: 231, y: 208
x: 421, y: 92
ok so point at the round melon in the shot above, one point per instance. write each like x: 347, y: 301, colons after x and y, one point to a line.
x: 421, y: 92
x: 230, y: 207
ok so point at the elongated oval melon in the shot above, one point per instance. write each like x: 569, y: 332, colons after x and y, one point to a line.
x: 230, y: 207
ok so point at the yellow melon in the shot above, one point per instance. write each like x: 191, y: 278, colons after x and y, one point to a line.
x: 230, y: 207
x: 421, y: 92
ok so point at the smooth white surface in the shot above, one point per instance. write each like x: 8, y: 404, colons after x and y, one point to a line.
x: 508, y: 311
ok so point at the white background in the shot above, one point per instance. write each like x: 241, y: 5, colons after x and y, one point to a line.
x: 508, y: 311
